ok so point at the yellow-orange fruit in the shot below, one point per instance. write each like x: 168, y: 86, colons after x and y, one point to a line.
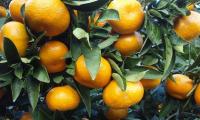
x: 116, y: 114
x: 131, y: 16
x: 15, y: 9
x: 51, y: 16
x: 83, y: 77
x: 52, y: 56
x: 114, y: 97
x: 197, y: 95
x: 2, y: 11
x: 188, y: 27
x: 129, y: 44
x: 179, y: 87
x: 16, y: 32
x: 62, y: 98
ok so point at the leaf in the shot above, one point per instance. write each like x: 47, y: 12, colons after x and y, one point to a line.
x: 2, y: 21
x: 33, y: 90
x: 85, y: 96
x: 18, y: 70
x: 16, y: 87
x: 81, y: 34
x: 86, y: 5
x: 155, y: 13
x: 149, y: 60
x: 22, y: 11
x: 92, y: 60
x: 75, y: 49
x: 169, y: 58
x: 108, y: 14
x: 120, y: 81
x: 179, y: 48
x: 169, y: 107
x: 135, y: 76
x: 153, y: 32
x: 131, y: 62
x: 6, y: 68
x: 58, y: 79
x: 108, y: 42
x: 11, y: 52
x: 40, y: 73
x: 115, y: 67
x: 195, y: 64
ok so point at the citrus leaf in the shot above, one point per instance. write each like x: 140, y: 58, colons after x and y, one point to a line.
x: 92, y: 60
x: 86, y: 5
x: 108, y: 14
x: 58, y: 79
x: 149, y: 60
x: 40, y: 73
x: 135, y: 76
x: 33, y: 90
x: 18, y: 70
x: 108, y: 42
x: 16, y: 87
x: 11, y: 52
x: 115, y: 67
x: 2, y: 21
x: 85, y: 96
x: 82, y: 35
x: 75, y: 49
x: 120, y: 81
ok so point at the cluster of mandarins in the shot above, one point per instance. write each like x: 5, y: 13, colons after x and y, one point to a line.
x: 41, y: 16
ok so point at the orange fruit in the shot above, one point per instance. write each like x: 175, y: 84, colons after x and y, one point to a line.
x: 150, y: 83
x: 2, y: 92
x: 15, y: 9
x: 2, y: 11
x: 16, y: 32
x: 180, y: 87
x: 188, y: 27
x: 129, y: 44
x: 197, y: 95
x: 83, y: 77
x: 191, y: 6
x: 114, y: 97
x: 131, y: 16
x: 62, y: 98
x: 52, y: 56
x: 26, y: 116
x: 51, y: 16
x: 116, y: 114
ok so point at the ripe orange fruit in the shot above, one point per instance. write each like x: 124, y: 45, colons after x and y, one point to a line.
x: 2, y: 11
x: 180, y: 87
x: 150, y: 83
x: 116, y: 114
x: 114, y: 97
x: 51, y: 16
x: 188, y: 27
x: 62, y: 98
x: 26, y: 116
x: 131, y: 16
x: 1, y: 93
x: 15, y: 9
x: 83, y: 77
x: 129, y: 44
x: 16, y: 32
x: 52, y: 56
x: 197, y: 95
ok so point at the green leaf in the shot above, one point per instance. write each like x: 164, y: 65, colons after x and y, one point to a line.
x: 75, y: 49
x: 169, y: 58
x: 108, y: 14
x: 179, y: 48
x: 86, y: 5
x: 169, y: 107
x: 115, y: 67
x: 11, y: 52
x: 92, y: 60
x: 85, y: 96
x: 2, y: 21
x: 155, y: 13
x: 108, y: 42
x: 18, y: 70
x: 58, y: 79
x: 120, y: 81
x: 82, y: 35
x: 131, y: 62
x: 149, y: 60
x: 38, y: 114
x: 135, y: 76
x: 16, y: 87
x: 40, y: 73
x: 195, y: 64
x: 33, y: 90
x: 153, y: 32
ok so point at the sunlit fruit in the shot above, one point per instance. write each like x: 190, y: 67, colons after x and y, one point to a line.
x: 2, y: 11
x: 179, y: 86
x: 188, y: 27
x: 50, y: 16
x: 129, y: 44
x: 15, y: 9
x: 116, y: 114
x: 191, y: 6
x: 83, y: 77
x: 197, y: 95
x: 114, y: 97
x: 131, y: 16
x: 16, y: 32
x: 62, y: 98
x: 52, y: 56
